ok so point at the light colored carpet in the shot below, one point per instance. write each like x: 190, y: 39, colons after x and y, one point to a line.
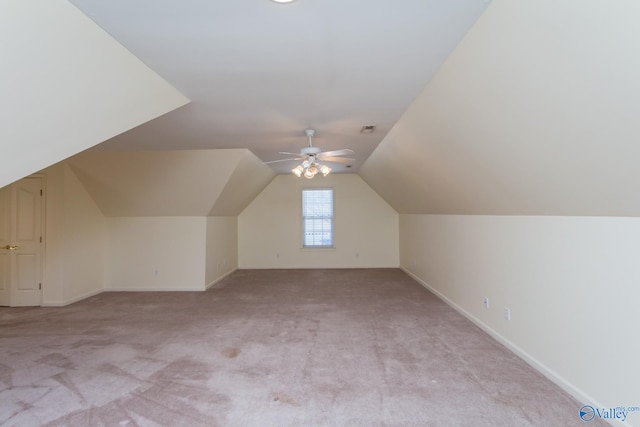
x: 268, y: 348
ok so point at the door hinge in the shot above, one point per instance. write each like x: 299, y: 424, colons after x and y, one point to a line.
x: 40, y: 286
x: 40, y: 193
x: 40, y: 239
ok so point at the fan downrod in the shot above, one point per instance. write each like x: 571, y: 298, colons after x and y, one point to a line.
x: 310, y: 150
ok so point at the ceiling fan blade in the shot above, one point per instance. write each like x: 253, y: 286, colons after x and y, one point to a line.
x: 283, y: 160
x: 290, y: 154
x: 332, y: 159
x: 335, y: 153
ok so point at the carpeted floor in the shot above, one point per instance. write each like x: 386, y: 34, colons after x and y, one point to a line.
x: 268, y: 348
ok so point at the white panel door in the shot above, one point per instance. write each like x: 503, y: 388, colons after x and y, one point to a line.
x: 22, y: 252
x: 5, y: 239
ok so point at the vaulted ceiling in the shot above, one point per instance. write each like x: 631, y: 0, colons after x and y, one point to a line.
x: 527, y: 108
x: 65, y: 85
x: 171, y: 183
x: 534, y: 113
x: 258, y: 73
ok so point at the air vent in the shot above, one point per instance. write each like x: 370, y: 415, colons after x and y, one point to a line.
x: 368, y: 129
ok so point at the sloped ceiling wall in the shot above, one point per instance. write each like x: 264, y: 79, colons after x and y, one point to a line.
x: 248, y: 179
x: 171, y: 183
x: 535, y: 113
x: 67, y: 86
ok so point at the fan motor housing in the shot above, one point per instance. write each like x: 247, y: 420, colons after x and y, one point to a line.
x: 310, y: 150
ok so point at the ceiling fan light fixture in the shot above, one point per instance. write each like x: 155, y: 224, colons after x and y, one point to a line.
x: 311, y: 171
x: 312, y: 156
x: 297, y: 171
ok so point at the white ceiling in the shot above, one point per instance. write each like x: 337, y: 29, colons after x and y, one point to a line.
x: 534, y: 112
x: 259, y: 73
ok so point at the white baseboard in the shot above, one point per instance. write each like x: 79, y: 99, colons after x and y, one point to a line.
x: 141, y: 289
x: 315, y: 267
x: 220, y: 278
x: 131, y: 289
x: 72, y: 300
x: 549, y: 373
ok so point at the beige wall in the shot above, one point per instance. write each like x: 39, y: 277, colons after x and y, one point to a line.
x: 534, y: 113
x: 222, y: 248
x: 169, y: 253
x: 67, y: 85
x: 571, y: 284
x: 156, y: 253
x: 200, y: 182
x: 270, y: 229
x: 74, y: 240
x: 87, y: 253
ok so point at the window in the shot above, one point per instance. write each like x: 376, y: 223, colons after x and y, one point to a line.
x: 317, y: 218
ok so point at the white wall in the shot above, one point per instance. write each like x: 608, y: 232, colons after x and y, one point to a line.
x: 83, y: 243
x: 74, y: 240
x: 222, y: 248
x: 156, y: 253
x: 66, y: 85
x: 270, y: 228
x: 572, y: 284
x: 87, y: 252
x: 54, y: 258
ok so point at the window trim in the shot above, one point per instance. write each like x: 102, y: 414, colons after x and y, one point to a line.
x: 333, y: 216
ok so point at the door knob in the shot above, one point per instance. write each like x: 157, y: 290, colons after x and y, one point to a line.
x: 10, y: 247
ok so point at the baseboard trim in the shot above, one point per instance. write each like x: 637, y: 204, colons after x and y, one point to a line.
x: 317, y: 267
x: 220, y: 278
x: 125, y: 289
x: 134, y: 289
x: 549, y: 373
x: 72, y: 300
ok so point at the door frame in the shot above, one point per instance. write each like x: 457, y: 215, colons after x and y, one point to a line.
x: 43, y: 229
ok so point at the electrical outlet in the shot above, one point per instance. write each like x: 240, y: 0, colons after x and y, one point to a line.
x: 507, y: 313
x: 486, y: 302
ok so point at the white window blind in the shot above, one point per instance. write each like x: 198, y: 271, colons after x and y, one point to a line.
x: 317, y: 218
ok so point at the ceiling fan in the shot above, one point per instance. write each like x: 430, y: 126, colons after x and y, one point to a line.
x: 311, y: 156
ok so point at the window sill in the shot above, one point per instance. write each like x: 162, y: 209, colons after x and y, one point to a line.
x: 318, y: 249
